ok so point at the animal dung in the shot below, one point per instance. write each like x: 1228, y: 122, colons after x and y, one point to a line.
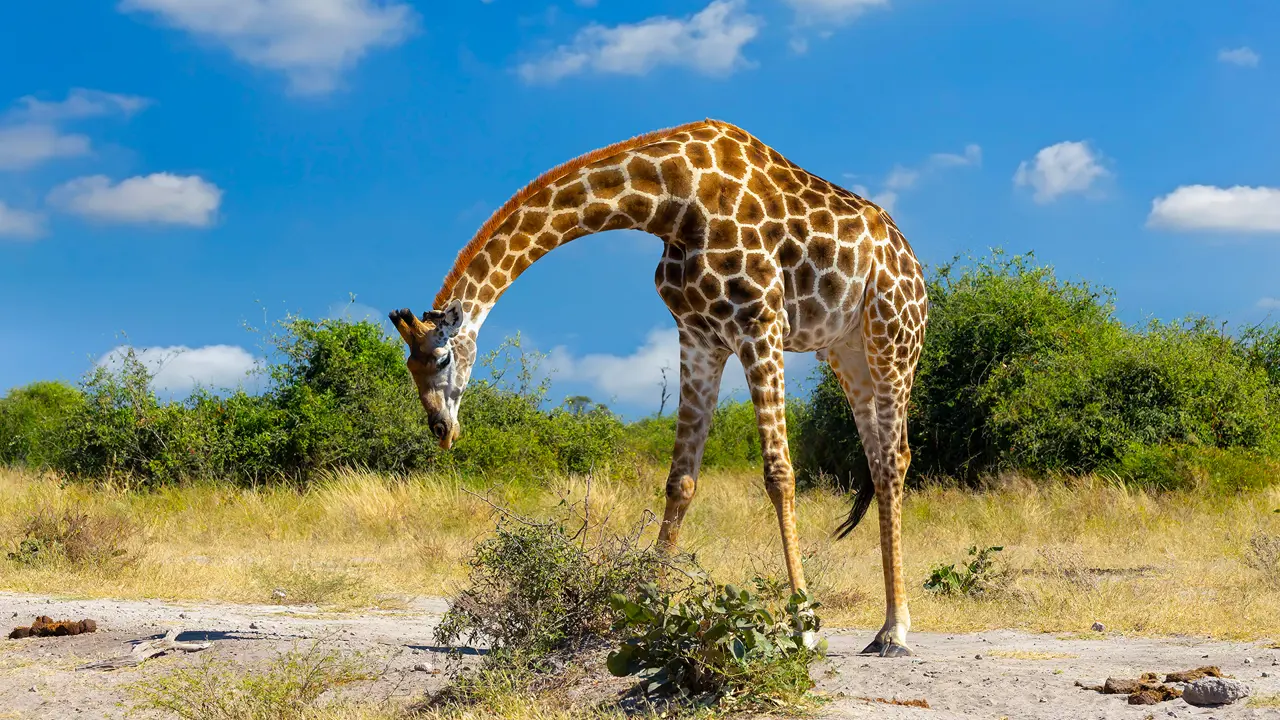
x: 45, y: 626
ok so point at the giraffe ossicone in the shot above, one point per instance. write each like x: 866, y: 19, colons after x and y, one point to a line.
x: 759, y: 257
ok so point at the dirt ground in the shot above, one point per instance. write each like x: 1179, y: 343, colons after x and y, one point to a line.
x: 995, y: 674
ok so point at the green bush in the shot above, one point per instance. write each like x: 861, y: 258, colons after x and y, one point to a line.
x: 1021, y: 370
x: 537, y: 588
x: 1185, y: 384
x: 717, y: 644
x: 33, y: 422
x: 338, y: 394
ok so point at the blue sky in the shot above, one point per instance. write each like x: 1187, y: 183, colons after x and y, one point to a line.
x: 170, y: 170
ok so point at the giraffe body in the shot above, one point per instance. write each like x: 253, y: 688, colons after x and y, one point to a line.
x: 759, y: 256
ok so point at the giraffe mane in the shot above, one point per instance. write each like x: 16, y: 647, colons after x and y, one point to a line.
x: 477, y: 242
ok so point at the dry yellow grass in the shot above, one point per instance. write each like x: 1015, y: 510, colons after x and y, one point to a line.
x: 1078, y: 553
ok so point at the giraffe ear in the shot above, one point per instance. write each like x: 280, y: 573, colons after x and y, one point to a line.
x: 451, y: 318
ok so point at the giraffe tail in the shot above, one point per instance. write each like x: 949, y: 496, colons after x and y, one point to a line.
x: 862, y: 497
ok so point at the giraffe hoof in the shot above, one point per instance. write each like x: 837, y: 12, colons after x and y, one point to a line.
x: 893, y: 650
x: 889, y: 649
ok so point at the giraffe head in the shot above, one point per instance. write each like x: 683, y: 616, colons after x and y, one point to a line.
x: 440, y: 362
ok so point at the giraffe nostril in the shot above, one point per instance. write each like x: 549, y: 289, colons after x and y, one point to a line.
x: 439, y: 429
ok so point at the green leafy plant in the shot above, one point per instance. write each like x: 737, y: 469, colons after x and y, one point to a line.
x: 537, y: 588
x: 975, y: 578
x: 717, y: 643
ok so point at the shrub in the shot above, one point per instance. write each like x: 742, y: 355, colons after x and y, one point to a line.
x: 1181, y: 384
x: 733, y: 441
x: 717, y: 644
x: 976, y: 578
x: 537, y: 588
x: 1021, y: 370
x: 33, y: 422
x: 74, y: 537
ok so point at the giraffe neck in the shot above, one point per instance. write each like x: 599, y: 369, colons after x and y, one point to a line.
x: 649, y: 188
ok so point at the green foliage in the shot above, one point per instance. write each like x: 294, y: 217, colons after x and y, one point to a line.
x: 539, y: 588
x: 1022, y: 370
x: 33, y: 420
x: 1174, y: 385
x: 976, y: 578
x: 717, y: 643
x: 337, y: 394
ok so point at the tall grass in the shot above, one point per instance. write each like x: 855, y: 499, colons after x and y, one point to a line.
x: 1076, y: 551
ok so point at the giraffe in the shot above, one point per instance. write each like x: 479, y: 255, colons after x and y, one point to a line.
x: 759, y: 256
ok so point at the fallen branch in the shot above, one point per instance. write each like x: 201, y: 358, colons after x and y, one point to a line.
x: 147, y: 650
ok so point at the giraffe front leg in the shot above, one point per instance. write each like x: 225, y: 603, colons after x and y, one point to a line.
x: 762, y: 360
x: 700, y: 370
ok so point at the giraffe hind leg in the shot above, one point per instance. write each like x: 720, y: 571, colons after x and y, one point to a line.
x: 878, y: 406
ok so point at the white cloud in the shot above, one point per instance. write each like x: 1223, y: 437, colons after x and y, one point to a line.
x: 710, y: 42
x: 637, y: 378
x: 886, y: 199
x: 902, y: 177
x: 1205, y: 207
x: 972, y: 155
x: 311, y: 41
x: 80, y: 103
x: 1269, y: 303
x: 180, y: 368
x: 20, y: 224
x: 838, y: 10
x: 156, y: 198
x: 24, y: 146
x: 1068, y: 167
x: 1242, y: 56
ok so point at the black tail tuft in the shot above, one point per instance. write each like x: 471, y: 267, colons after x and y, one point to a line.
x: 862, y: 497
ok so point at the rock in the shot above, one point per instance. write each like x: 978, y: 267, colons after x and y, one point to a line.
x: 1248, y: 661
x: 1099, y: 627
x: 426, y: 668
x: 182, y: 615
x: 279, y: 594
x: 1266, y: 674
x: 978, y: 656
x: 1214, y: 691
x: 253, y: 626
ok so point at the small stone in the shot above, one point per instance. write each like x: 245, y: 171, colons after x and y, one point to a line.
x: 1043, y: 700
x: 1266, y: 674
x: 1099, y: 627
x: 423, y: 667
x: 1214, y: 691
x: 1248, y: 661
x: 279, y: 594
x: 32, y: 689
x: 182, y: 615
x: 978, y: 656
x: 253, y: 626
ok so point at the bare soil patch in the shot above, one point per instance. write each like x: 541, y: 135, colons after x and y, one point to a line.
x: 995, y: 674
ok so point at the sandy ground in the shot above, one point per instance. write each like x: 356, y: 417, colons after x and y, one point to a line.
x: 996, y: 674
